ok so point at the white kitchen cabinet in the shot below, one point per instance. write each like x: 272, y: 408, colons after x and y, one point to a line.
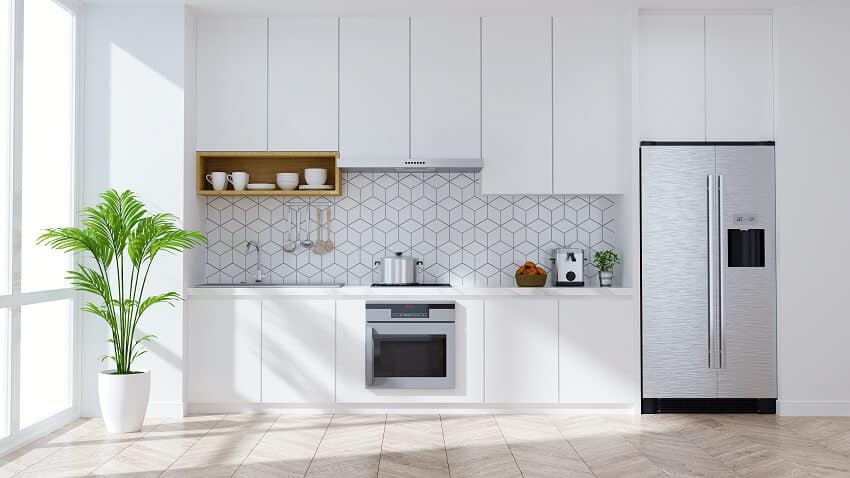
x: 589, y: 99
x: 520, y: 351
x: 303, y: 83
x: 672, y: 77
x: 739, y: 77
x: 516, y: 105
x: 597, y: 339
x: 223, y: 351
x: 298, y: 351
x: 232, y: 62
x: 374, y: 76
x: 445, y: 87
x: 351, y: 359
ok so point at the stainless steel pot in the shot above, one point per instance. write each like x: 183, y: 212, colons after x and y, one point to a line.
x: 397, y: 269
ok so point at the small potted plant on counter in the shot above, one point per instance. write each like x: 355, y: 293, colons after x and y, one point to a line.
x: 122, y: 240
x: 605, y: 262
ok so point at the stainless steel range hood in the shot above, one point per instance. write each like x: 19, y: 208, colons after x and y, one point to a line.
x: 419, y: 165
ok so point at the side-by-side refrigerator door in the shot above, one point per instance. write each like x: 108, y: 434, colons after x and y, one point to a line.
x: 747, y: 289
x: 678, y: 185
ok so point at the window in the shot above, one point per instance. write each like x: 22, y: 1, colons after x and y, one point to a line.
x: 47, y: 140
x: 38, y: 94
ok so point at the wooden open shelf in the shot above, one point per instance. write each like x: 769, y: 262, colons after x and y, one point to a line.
x: 263, y: 166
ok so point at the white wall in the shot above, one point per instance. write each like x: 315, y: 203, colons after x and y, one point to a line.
x: 134, y: 138
x: 813, y: 168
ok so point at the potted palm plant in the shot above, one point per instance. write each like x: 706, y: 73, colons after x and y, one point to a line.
x: 605, y: 262
x: 123, y: 240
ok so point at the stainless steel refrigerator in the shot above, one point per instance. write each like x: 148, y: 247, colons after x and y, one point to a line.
x: 708, y: 277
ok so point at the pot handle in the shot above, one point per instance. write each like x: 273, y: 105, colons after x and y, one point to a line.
x: 419, y: 265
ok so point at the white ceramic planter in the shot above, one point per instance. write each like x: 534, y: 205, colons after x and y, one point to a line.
x: 123, y: 400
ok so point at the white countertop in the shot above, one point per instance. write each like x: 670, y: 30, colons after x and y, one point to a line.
x: 449, y: 292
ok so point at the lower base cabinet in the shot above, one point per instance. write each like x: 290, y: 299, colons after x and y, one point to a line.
x: 298, y: 351
x: 597, y: 351
x: 520, y: 351
x: 223, y: 351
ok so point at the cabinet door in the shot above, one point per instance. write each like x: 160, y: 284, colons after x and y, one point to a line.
x: 739, y: 77
x: 224, y: 351
x: 672, y: 77
x: 232, y: 56
x: 298, y: 351
x: 303, y: 79
x: 516, y: 105
x: 445, y: 87
x: 589, y: 94
x: 520, y: 351
x: 374, y: 75
x: 597, y: 363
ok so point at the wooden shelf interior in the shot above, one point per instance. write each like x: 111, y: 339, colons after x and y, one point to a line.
x: 262, y: 167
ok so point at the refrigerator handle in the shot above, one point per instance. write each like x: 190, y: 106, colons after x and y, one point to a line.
x: 711, y: 221
x: 721, y: 321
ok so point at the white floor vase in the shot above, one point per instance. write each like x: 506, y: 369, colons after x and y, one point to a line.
x: 123, y: 400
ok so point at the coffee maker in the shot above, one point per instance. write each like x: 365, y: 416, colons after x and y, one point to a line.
x: 569, y: 267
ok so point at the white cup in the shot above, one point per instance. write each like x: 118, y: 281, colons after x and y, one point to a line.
x: 239, y: 180
x: 218, y: 180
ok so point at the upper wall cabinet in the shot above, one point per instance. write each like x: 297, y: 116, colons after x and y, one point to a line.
x: 232, y: 54
x: 303, y: 83
x: 374, y: 102
x: 739, y: 78
x: 516, y: 105
x: 589, y: 98
x: 445, y: 87
x: 706, y: 78
x: 672, y: 78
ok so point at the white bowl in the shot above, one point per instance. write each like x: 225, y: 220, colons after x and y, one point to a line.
x: 315, y: 176
x: 287, y: 185
x: 289, y: 176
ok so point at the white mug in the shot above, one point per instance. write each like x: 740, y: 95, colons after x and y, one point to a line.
x: 239, y: 180
x: 218, y: 180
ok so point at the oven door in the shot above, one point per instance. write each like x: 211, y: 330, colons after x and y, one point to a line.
x: 410, y: 355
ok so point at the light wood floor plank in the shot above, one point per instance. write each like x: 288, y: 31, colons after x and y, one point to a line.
x: 160, y: 448
x: 351, y: 447
x: 413, y: 447
x: 748, y: 446
x: 286, y: 449
x: 84, y: 455
x: 476, y: 448
x: 603, y: 448
x: 21, y: 459
x: 539, y: 448
x: 223, y: 449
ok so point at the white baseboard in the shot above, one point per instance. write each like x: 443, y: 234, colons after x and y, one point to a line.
x: 413, y: 408
x: 812, y: 409
x: 91, y: 409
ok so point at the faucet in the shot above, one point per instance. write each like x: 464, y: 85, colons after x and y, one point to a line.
x: 258, y: 273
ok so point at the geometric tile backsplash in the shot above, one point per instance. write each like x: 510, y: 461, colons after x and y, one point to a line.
x: 462, y: 236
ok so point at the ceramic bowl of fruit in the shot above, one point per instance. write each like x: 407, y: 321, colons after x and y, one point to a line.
x: 530, y: 275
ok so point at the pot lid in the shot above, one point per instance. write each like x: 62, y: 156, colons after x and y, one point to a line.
x: 399, y: 256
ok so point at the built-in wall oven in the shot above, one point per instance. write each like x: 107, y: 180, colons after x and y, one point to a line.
x: 410, y: 344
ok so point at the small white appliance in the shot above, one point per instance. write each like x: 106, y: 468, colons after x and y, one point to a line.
x: 569, y: 267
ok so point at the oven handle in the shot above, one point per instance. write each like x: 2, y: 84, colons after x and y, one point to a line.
x: 370, y: 354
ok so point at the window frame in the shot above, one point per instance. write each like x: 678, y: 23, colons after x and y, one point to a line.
x: 15, y: 299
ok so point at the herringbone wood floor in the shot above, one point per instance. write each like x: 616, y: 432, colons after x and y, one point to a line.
x: 447, y: 445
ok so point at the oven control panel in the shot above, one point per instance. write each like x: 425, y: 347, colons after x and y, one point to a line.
x: 435, y: 311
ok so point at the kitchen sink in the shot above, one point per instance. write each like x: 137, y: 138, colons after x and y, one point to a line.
x: 269, y: 284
